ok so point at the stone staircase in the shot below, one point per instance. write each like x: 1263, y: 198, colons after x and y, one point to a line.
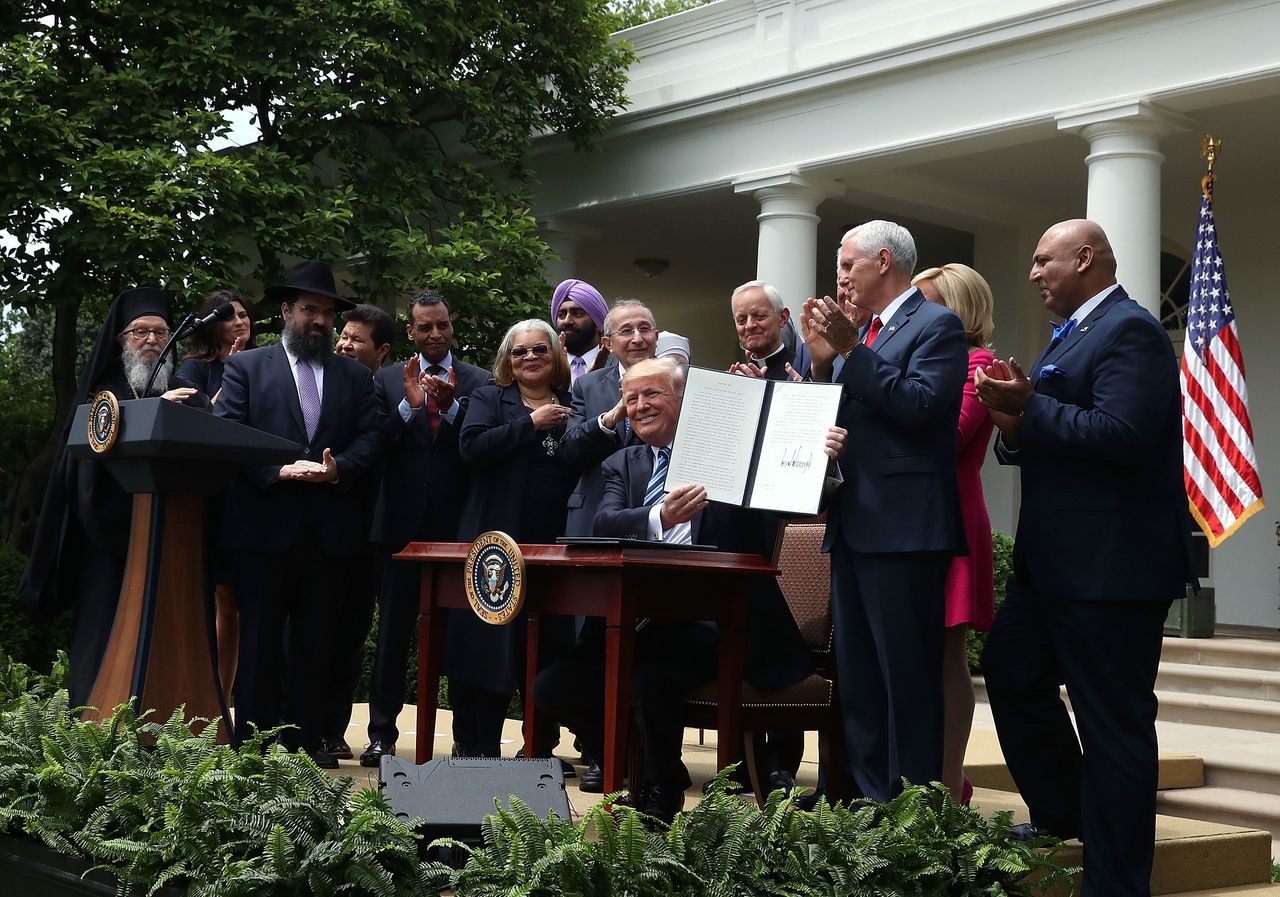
x: 1220, y: 699
x: 1219, y: 730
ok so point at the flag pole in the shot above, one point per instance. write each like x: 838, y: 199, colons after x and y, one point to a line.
x: 1209, y: 149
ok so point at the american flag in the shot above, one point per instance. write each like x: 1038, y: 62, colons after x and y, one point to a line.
x: 1219, y: 464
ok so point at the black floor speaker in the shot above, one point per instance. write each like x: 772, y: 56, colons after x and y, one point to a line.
x: 455, y: 794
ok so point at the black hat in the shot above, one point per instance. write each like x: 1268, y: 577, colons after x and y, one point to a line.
x: 311, y: 276
x: 140, y: 301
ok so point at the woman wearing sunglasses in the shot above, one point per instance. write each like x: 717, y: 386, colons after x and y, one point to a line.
x: 520, y: 484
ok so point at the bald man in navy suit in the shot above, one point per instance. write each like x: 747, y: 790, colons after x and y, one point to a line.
x: 1102, y: 548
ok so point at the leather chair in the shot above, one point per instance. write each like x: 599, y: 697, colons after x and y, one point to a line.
x: 813, y: 703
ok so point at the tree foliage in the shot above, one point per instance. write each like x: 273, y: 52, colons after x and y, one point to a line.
x: 391, y: 135
x: 630, y: 13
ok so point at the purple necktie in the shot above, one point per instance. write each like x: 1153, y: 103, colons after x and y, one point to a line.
x: 578, y: 367
x: 308, y: 397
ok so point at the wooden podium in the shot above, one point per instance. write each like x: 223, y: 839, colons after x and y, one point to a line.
x: 162, y: 650
x: 619, y: 583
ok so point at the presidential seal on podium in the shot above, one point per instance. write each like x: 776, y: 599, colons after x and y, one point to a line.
x: 104, y: 421
x: 495, y: 578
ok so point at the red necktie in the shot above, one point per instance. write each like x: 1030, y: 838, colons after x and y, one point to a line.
x: 873, y: 331
x: 433, y: 410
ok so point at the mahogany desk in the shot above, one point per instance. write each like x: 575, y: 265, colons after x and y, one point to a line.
x: 620, y: 584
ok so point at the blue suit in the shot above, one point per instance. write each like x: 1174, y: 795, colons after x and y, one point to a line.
x: 282, y: 535
x: 1103, y: 545
x: 892, y: 530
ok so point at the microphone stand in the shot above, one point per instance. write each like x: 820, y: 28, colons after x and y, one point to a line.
x: 170, y: 348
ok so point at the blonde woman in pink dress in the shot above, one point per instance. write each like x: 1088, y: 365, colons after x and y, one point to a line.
x: 970, y: 582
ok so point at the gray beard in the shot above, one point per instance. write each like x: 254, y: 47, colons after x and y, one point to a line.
x: 307, y: 346
x: 137, y: 372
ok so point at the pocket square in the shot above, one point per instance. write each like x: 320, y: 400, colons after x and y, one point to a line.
x: 1052, y: 372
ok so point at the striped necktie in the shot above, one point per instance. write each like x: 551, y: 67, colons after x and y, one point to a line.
x: 654, y: 490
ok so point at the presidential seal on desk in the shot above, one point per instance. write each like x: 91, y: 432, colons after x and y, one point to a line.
x: 495, y: 578
x: 104, y: 421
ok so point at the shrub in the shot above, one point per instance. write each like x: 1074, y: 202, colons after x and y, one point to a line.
x: 33, y: 642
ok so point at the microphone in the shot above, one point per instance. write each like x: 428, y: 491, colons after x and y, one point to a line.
x: 189, y: 326
x: 222, y: 313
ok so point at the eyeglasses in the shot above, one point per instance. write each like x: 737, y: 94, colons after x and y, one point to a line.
x: 141, y: 333
x: 539, y: 350
x: 642, y: 331
x: 313, y: 311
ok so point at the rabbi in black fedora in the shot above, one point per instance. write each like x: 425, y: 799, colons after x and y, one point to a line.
x: 294, y: 529
x: 82, y: 537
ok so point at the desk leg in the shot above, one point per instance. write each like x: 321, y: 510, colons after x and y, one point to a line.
x: 430, y: 648
x: 531, y: 721
x: 733, y: 637
x: 619, y: 648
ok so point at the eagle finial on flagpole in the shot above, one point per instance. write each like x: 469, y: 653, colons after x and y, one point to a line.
x: 1209, y: 149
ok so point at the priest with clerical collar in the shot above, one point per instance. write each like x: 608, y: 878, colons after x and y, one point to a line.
x: 762, y: 322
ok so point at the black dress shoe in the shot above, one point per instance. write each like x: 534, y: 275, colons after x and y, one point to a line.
x: 781, y: 780
x: 809, y: 801
x: 336, y: 747
x: 592, y: 779
x: 321, y: 759
x: 664, y: 803
x: 1029, y: 831
x: 373, y: 754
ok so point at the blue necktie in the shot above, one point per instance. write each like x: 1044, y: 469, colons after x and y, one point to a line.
x: 654, y: 490
x: 1061, y: 331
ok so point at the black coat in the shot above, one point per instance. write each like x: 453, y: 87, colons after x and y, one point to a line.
x: 499, y: 443
x: 266, y: 515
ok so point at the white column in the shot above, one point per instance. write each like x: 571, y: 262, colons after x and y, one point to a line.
x: 564, y: 239
x: 788, y: 239
x: 1124, y: 186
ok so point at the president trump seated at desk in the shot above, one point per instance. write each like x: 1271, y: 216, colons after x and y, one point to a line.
x: 671, y: 658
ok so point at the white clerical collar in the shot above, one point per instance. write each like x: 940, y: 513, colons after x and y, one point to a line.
x: 781, y: 346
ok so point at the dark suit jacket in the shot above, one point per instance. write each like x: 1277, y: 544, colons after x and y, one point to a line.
x: 495, y: 441
x: 264, y: 514
x: 424, y: 481
x: 585, y: 445
x: 776, y: 655
x: 1104, y: 509
x: 901, y: 405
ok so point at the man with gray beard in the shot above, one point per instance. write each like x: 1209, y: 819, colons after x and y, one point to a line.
x: 82, y: 537
x: 295, y: 530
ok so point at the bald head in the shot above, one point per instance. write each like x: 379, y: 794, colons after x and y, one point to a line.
x: 1072, y: 263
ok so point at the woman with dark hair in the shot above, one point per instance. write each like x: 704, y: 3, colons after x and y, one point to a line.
x: 202, y: 367
x: 520, y: 484
x: 211, y: 347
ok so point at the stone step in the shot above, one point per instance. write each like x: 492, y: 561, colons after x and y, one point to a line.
x: 1222, y: 712
x: 1220, y: 681
x: 1258, y: 777
x: 1251, y: 714
x: 1227, y: 806
x: 985, y: 767
x: 1241, y: 653
x: 1191, y: 855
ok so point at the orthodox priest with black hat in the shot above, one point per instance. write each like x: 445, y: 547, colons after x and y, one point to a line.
x: 82, y: 537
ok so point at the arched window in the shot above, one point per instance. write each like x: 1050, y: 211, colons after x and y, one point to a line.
x: 1175, y: 292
